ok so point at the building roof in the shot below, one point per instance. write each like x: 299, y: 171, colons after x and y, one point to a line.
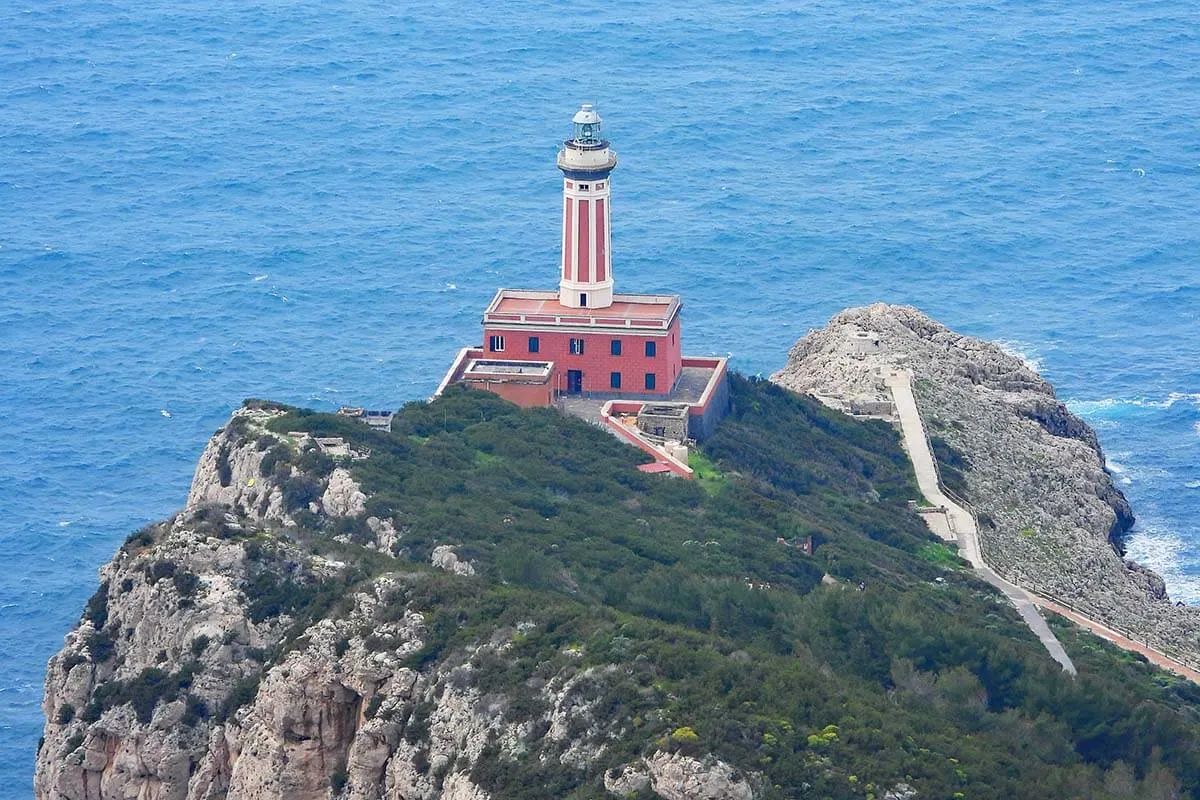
x: 541, y: 308
x: 497, y: 370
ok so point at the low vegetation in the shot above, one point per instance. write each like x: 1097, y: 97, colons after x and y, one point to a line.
x: 870, y: 663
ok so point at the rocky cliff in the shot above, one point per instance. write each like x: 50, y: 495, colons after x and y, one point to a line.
x: 489, y: 602
x: 1051, y: 518
x: 225, y: 656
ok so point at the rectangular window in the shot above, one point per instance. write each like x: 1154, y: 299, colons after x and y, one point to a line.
x: 534, y: 344
x: 583, y: 299
x: 496, y: 344
x: 616, y: 347
x: 583, y: 187
x: 650, y: 380
x: 577, y: 347
x: 614, y: 380
x: 651, y: 349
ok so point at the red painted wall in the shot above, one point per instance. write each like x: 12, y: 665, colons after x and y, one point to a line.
x: 597, y: 361
x: 526, y: 395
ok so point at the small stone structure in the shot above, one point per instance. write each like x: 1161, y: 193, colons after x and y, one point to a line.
x: 666, y: 421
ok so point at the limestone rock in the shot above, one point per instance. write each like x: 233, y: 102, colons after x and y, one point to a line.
x: 343, y: 497
x: 627, y: 780
x: 229, y: 472
x: 1051, y: 517
x: 674, y: 776
x: 445, y: 557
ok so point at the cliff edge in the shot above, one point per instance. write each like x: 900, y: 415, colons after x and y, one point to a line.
x: 1050, y: 517
x: 265, y: 642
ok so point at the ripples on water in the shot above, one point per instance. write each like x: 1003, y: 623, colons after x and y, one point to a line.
x: 310, y: 203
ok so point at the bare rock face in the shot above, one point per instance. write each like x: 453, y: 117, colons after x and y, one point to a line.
x: 1051, y: 517
x: 230, y: 469
x: 343, y: 497
x: 675, y: 776
x: 445, y: 557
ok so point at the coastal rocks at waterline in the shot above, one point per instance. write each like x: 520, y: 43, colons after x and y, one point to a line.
x: 1051, y: 518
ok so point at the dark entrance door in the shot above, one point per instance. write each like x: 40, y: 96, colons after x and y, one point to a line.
x: 574, y: 381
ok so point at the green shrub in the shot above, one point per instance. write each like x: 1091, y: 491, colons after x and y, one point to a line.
x: 141, y: 538
x: 338, y: 780
x: 243, y: 693
x: 224, y: 468
x: 66, y: 713
x: 299, y: 491
x: 151, y: 687
x: 101, y: 645
x: 96, y: 610
x: 195, y: 711
x: 186, y: 583
x: 278, y: 456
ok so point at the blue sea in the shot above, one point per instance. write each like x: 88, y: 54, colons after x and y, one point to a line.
x: 313, y: 201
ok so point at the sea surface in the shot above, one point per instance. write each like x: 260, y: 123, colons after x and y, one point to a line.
x: 313, y: 201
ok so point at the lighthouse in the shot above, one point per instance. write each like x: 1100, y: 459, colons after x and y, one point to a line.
x: 582, y: 343
x: 586, y: 161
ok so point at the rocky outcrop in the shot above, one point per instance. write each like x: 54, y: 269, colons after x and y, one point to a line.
x: 343, y: 497
x: 230, y: 472
x: 1051, y: 517
x: 223, y: 658
x: 675, y: 776
x: 445, y: 557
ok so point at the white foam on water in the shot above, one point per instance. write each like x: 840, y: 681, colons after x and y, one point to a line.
x: 1086, y: 408
x: 262, y: 277
x: 1027, y: 353
x: 1175, y: 397
x: 1192, y: 484
x: 1163, y: 551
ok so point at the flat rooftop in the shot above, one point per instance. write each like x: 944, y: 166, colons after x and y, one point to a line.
x: 494, y: 368
x: 522, y: 306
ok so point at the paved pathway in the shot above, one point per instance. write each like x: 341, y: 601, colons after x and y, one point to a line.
x: 962, y: 526
x: 1122, y: 641
x: 962, y: 523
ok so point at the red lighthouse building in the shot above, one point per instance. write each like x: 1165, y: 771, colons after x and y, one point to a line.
x: 585, y: 340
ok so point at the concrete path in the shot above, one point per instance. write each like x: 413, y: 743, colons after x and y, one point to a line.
x: 1122, y: 641
x: 961, y: 522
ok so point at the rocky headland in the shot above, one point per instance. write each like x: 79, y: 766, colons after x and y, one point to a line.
x: 1050, y: 517
x: 193, y: 674
x: 485, y: 602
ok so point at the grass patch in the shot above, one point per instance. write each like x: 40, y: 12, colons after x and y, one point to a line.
x: 943, y: 555
x: 706, y: 472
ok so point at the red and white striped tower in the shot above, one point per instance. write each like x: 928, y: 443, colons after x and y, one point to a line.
x: 586, y: 161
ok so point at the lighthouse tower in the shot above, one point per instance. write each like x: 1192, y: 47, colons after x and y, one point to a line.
x: 586, y: 162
